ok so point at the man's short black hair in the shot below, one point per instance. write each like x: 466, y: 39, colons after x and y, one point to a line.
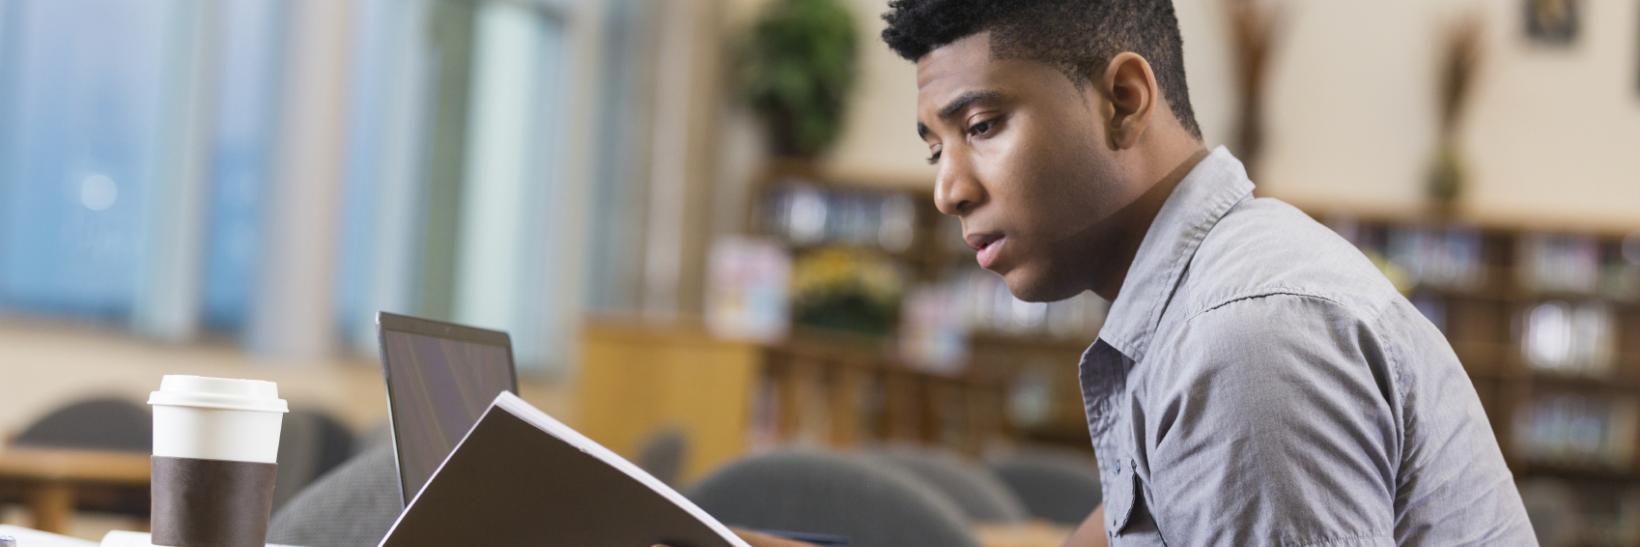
x: 1078, y: 36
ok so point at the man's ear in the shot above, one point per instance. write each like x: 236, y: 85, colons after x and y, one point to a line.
x: 1131, y: 96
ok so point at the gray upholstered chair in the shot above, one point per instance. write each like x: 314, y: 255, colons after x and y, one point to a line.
x: 377, y: 434
x: 352, y: 506
x: 664, y: 453
x: 103, y: 423
x: 870, y: 503
x: 980, y: 494
x: 1055, y: 485
x: 311, y: 443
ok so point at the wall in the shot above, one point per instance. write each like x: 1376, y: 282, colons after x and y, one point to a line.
x: 1552, y: 131
x: 1550, y: 135
x: 1560, y: 130
x: 880, y: 134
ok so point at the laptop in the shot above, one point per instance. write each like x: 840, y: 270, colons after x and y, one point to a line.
x: 441, y: 377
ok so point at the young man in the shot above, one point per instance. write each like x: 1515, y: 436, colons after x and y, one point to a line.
x: 1257, y: 381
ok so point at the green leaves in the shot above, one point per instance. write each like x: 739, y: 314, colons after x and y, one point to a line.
x: 796, y: 71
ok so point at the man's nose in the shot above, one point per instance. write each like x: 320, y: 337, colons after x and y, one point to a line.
x: 956, y: 191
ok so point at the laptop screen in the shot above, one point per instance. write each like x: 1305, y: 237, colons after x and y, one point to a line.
x: 440, y: 379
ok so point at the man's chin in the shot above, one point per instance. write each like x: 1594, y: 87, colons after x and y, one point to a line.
x: 1030, y: 288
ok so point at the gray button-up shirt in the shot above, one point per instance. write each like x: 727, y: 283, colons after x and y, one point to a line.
x: 1259, y: 382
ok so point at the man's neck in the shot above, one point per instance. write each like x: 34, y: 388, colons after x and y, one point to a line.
x: 1134, y: 221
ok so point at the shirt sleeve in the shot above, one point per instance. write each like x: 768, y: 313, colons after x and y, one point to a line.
x: 1274, y: 423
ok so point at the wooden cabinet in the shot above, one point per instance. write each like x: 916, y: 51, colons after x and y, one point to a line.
x: 638, y: 377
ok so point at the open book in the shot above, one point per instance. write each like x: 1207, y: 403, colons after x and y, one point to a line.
x: 521, y: 478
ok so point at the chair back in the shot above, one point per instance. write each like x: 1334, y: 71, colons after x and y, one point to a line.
x: 828, y: 493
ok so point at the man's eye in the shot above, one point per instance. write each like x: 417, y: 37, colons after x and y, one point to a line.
x: 935, y: 157
x: 982, y: 128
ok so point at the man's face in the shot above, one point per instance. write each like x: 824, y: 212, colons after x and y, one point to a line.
x: 1023, y: 162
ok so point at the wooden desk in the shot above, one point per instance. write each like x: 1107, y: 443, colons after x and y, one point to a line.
x: 1030, y: 534
x: 50, y: 480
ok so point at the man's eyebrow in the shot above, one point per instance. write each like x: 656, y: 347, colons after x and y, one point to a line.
x: 957, y: 105
x: 962, y: 102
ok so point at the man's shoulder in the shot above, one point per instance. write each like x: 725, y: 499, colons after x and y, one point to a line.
x: 1271, y: 288
x: 1264, y: 247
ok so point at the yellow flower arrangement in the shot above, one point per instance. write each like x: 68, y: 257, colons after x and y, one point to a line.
x: 847, y: 289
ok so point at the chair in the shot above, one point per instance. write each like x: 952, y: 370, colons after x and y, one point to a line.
x: 979, y: 493
x: 108, y: 424
x: 1056, y: 486
x: 664, y: 453
x: 311, y: 443
x: 378, y: 434
x: 835, y: 494
x: 103, y: 423
x: 353, y: 505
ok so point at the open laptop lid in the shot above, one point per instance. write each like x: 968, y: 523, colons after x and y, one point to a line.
x: 440, y: 379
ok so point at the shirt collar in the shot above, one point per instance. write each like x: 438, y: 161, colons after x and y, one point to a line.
x: 1204, y: 196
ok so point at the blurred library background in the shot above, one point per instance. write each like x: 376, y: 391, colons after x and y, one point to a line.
x: 711, y: 220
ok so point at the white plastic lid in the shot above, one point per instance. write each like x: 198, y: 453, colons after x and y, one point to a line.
x: 219, y: 393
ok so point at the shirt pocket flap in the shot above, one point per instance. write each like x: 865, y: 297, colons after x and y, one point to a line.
x: 1119, y: 501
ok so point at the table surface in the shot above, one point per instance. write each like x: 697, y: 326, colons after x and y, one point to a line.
x: 34, y: 538
x: 75, y: 466
x: 1033, y: 534
x: 1028, y: 534
x: 119, y: 468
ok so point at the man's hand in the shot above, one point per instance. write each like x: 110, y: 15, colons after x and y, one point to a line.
x: 764, y: 540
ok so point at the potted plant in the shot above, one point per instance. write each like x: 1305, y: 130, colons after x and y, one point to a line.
x: 797, y: 67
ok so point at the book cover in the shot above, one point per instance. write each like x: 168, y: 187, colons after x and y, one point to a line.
x: 521, y: 478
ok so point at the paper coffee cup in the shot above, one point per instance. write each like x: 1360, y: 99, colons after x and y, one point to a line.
x: 216, y: 448
x: 217, y: 419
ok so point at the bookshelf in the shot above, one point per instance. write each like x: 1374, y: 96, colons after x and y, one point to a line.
x: 1025, y: 354
x: 642, y: 375
x: 1545, y: 316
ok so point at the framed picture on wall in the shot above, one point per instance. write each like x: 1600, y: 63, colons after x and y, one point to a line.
x: 1552, y: 21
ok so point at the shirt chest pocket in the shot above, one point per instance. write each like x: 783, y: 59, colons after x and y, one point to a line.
x: 1128, y: 521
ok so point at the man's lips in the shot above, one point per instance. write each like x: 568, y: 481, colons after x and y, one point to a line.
x: 986, y: 247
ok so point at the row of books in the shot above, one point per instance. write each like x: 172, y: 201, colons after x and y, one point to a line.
x: 807, y: 214
x: 1452, y: 257
x: 987, y: 306
x: 1578, y: 431
x: 938, y: 319
x: 1582, y: 265
x: 1562, y: 263
x: 753, y: 288
x: 1576, y: 338
x: 1457, y: 257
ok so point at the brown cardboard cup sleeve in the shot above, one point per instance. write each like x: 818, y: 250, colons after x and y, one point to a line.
x: 211, y: 503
